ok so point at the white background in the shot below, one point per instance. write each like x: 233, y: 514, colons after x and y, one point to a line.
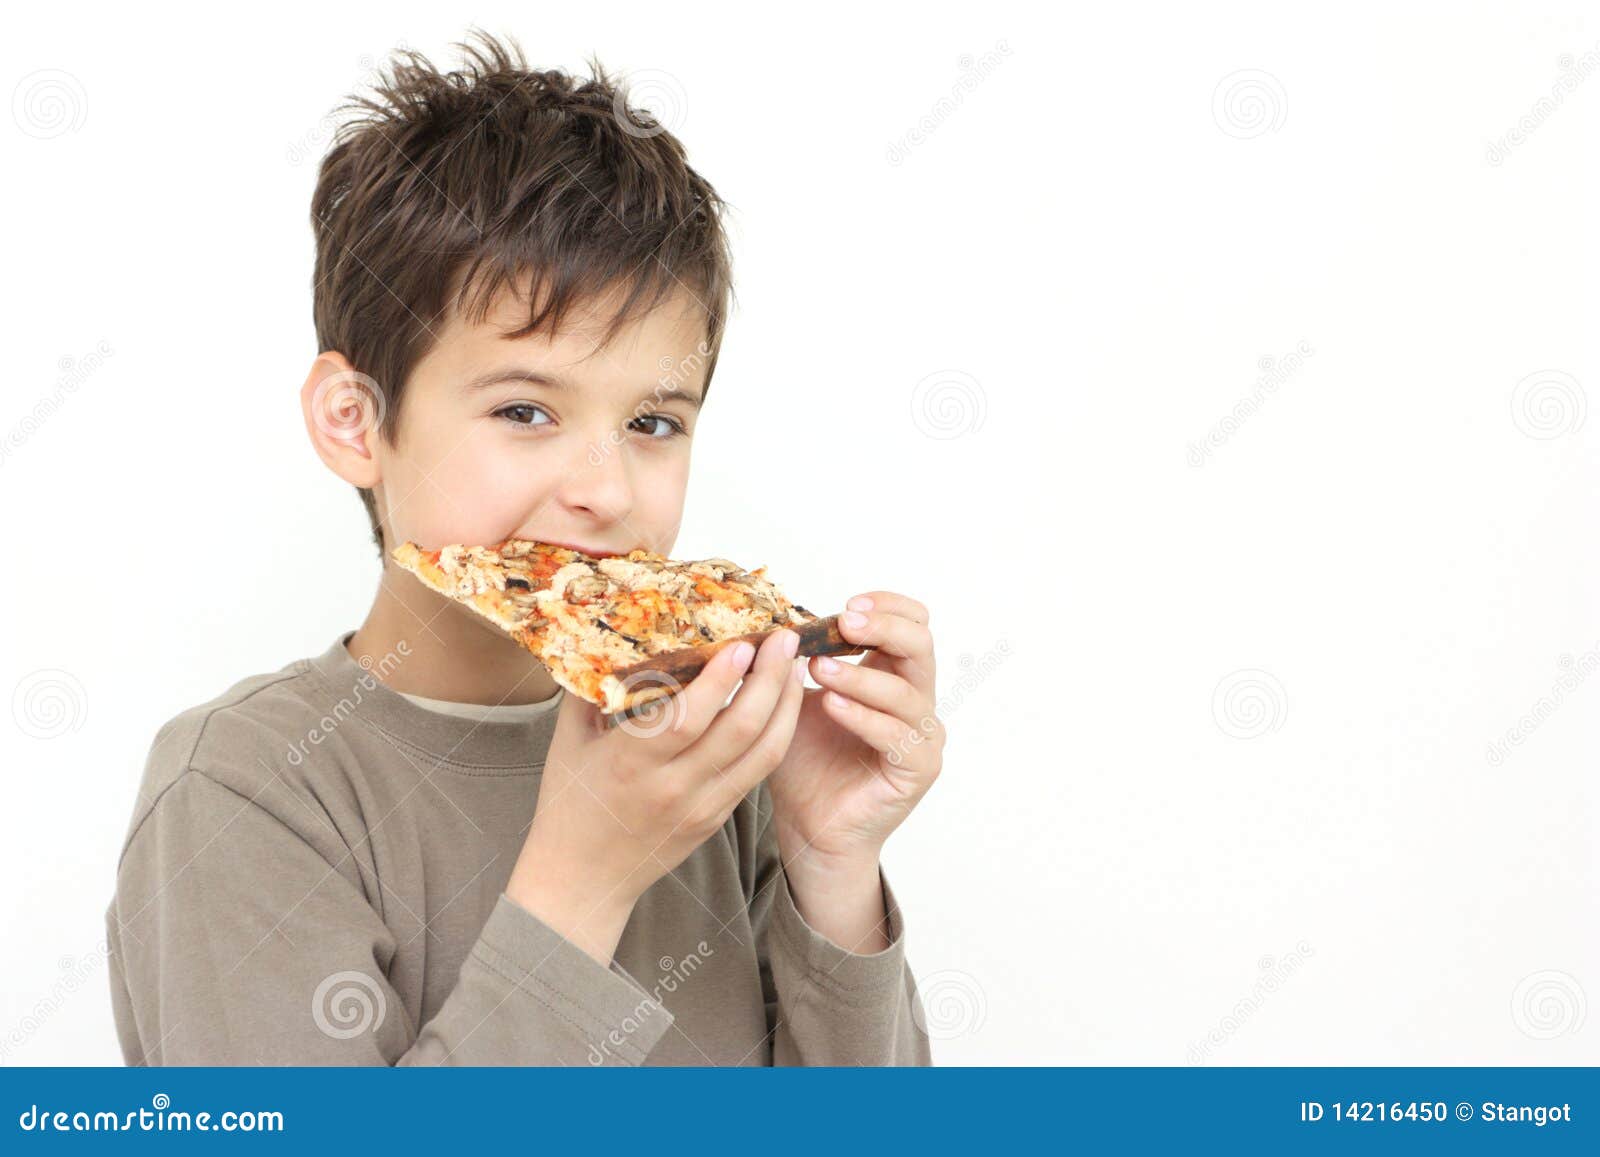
x: 1136, y: 855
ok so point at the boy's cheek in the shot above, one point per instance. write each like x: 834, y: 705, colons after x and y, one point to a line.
x: 471, y: 516
x: 460, y: 500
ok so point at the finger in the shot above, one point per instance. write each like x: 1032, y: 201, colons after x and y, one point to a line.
x: 910, y: 643
x: 578, y: 723
x: 896, y: 604
x: 697, y: 705
x: 739, y: 724
x: 581, y: 717
x: 909, y: 747
x: 769, y: 749
x: 883, y: 690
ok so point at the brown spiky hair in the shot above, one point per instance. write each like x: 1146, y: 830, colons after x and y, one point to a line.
x: 444, y: 188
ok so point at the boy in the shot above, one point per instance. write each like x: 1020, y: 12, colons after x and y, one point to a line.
x: 342, y: 862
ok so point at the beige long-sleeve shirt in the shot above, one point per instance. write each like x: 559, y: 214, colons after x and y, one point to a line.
x: 315, y: 872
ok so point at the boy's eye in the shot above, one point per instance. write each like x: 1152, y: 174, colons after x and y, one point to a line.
x: 527, y: 416
x: 521, y: 414
x: 667, y: 428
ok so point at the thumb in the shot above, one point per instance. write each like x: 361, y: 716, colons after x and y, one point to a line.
x: 579, y: 718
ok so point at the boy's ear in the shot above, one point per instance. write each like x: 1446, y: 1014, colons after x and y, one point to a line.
x: 343, y: 409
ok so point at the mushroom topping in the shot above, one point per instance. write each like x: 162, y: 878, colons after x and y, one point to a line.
x: 585, y: 588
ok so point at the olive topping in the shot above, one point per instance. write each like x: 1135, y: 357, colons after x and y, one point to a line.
x: 605, y: 626
x: 520, y: 584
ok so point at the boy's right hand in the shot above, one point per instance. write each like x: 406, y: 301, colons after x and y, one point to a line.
x: 621, y: 806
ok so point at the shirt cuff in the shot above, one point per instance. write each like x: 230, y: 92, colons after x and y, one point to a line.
x: 618, y: 1019
x: 853, y: 977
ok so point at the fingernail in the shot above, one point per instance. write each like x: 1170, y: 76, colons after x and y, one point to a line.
x: 742, y: 654
x: 791, y: 644
x: 827, y: 666
x: 860, y: 603
x: 851, y: 619
x: 800, y: 671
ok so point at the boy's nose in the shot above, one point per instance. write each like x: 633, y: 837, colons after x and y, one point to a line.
x: 598, y: 483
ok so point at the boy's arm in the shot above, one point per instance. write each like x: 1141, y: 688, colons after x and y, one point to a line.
x: 827, y: 1004
x: 241, y: 940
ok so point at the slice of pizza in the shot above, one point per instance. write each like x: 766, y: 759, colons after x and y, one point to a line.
x: 624, y: 630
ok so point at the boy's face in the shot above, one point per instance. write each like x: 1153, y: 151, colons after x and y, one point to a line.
x: 595, y: 457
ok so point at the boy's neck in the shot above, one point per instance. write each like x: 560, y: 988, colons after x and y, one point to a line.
x: 448, y: 654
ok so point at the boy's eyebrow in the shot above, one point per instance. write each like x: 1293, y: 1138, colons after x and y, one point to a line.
x: 557, y: 382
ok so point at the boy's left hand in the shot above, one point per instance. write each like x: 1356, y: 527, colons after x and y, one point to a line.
x: 868, y: 745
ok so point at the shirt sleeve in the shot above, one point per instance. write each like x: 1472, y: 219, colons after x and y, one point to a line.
x: 238, y: 940
x: 827, y: 1005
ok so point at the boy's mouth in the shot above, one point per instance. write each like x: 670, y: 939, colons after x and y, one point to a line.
x: 592, y: 551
